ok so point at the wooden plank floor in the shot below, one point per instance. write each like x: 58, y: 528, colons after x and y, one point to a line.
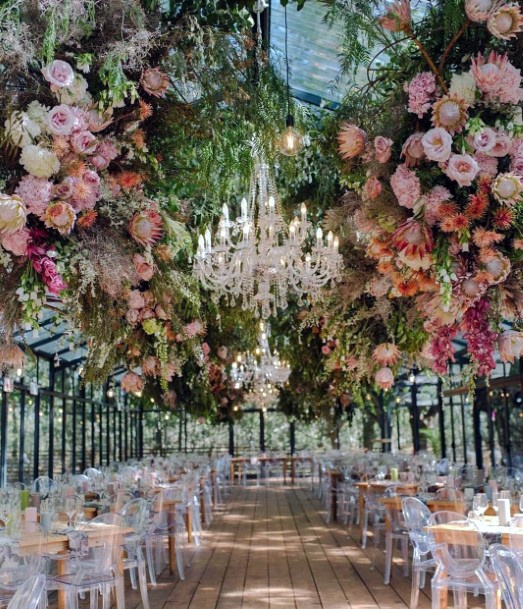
x: 269, y: 548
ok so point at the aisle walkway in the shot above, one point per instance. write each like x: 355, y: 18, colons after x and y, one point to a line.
x: 270, y: 549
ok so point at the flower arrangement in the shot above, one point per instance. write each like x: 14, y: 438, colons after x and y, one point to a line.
x: 82, y: 233
x: 436, y: 203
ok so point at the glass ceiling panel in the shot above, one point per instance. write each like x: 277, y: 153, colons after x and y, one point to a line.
x: 313, y: 50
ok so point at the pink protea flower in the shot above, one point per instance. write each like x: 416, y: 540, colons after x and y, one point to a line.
x: 194, y: 329
x: 437, y: 144
x: 397, y: 17
x: 131, y: 383
x: 505, y: 21
x: 421, y: 90
x: 479, y: 10
x: 414, y: 241
x: 155, y: 82
x: 486, y: 238
x: 450, y: 113
x: 498, y: 79
x: 146, y: 227
x: 144, y: 267
x: 507, y: 189
x: 384, y: 378
x: 35, y: 193
x: 60, y: 216
x: 386, y: 354
x: 496, y: 266
x: 150, y: 365
x: 510, y: 345
x: 413, y: 149
x: 11, y: 356
x: 351, y: 141
x: 462, y: 168
x: 382, y: 148
x: 406, y: 186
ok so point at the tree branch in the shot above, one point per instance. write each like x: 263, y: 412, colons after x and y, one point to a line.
x: 452, y: 43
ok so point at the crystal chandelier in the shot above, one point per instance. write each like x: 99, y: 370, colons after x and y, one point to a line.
x: 258, y: 259
x: 261, y: 366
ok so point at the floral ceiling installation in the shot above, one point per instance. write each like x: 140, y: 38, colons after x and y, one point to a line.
x: 440, y: 201
x: 82, y: 232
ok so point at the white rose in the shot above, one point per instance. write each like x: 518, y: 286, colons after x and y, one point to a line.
x: 39, y: 162
x: 21, y: 129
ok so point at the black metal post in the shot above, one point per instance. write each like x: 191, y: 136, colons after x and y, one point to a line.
x: 50, y: 459
x: 21, y: 439
x: 101, y: 432
x: 120, y: 439
x: 476, y: 423
x: 463, y: 430
x: 126, y: 428
x: 108, y: 432
x: 36, y: 455
x: 415, y: 415
x: 180, y: 431
x: 490, y: 422
x: 262, y: 431
x: 292, y: 433
x: 93, y: 430
x: 3, y: 441
x: 231, y: 438
x: 140, y: 431
x: 64, y: 422
x: 506, y: 425
x: 84, y: 430
x: 383, y: 421
x: 73, y: 439
x: 398, y: 432
x: 441, y: 420
x: 452, y: 429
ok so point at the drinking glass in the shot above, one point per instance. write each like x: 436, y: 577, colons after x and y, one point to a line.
x: 480, y: 504
x: 70, y: 507
x: 495, y: 497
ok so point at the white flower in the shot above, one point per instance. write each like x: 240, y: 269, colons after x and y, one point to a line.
x: 464, y: 86
x: 21, y: 129
x: 75, y: 94
x: 37, y: 112
x: 12, y: 214
x: 39, y: 162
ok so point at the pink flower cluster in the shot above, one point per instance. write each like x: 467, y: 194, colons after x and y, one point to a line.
x: 481, y: 340
x: 406, y: 186
x: 441, y: 348
x: 42, y: 263
x: 421, y: 90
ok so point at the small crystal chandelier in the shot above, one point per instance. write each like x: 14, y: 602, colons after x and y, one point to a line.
x: 261, y: 366
x: 258, y: 259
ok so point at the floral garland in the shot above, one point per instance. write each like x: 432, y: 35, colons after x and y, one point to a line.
x: 449, y: 250
x: 80, y: 232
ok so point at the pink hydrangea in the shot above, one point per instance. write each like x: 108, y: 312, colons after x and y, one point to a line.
x: 421, y: 90
x: 35, y: 193
x: 16, y: 243
x: 431, y: 202
x: 406, y: 186
x: 488, y: 165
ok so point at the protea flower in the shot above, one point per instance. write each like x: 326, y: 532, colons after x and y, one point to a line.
x: 12, y: 214
x: 450, y: 112
x: 478, y: 10
x: 131, y: 382
x: 386, y: 354
x: 505, y: 22
x: 497, y: 267
x: 510, y: 345
x: 507, y: 188
x: 397, y: 17
x: 155, y: 82
x: 146, y: 227
x: 414, y: 241
x: 11, y: 356
x: 384, y: 378
x: 60, y: 216
x: 351, y: 141
x: 489, y: 72
x: 150, y: 365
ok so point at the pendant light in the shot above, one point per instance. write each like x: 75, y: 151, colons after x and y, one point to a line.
x: 291, y: 140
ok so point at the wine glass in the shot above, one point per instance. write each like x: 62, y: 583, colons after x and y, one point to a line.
x: 480, y: 504
x: 495, y: 498
x: 70, y: 507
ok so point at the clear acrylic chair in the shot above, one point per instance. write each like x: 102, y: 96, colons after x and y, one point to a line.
x: 95, y: 569
x: 460, y: 561
x: 251, y: 466
x: 417, y: 515
x: 395, y: 531
x: 135, y: 515
x: 30, y: 595
x: 507, y: 565
x: 42, y: 485
x: 374, y: 511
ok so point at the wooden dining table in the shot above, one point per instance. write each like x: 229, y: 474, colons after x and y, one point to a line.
x: 288, y: 463
x: 56, y: 543
x: 380, y: 486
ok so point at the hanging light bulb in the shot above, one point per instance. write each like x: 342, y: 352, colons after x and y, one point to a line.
x: 291, y: 140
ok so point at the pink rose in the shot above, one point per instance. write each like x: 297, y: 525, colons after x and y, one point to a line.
x: 59, y: 73
x: 84, y: 142
x: 485, y: 140
x: 462, y: 168
x: 91, y: 178
x: 372, y: 188
x: 206, y: 349
x: 108, y: 150
x: 413, y: 149
x: 136, y: 299
x: 437, y: 144
x: 325, y: 350
x: 65, y: 189
x: 61, y: 120
x: 383, y: 148
x: 99, y: 162
x: 516, y: 166
x: 16, y: 243
x: 144, y: 268
x: 502, y: 146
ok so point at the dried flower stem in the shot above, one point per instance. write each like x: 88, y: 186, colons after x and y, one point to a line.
x: 430, y: 61
x: 452, y: 43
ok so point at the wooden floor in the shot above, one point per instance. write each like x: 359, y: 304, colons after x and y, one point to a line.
x: 269, y: 548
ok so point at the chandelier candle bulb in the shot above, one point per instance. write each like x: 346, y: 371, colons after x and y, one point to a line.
x: 243, y: 206
x: 225, y: 213
x: 208, y: 246
x: 303, y: 212
x: 330, y: 239
x: 319, y: 237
